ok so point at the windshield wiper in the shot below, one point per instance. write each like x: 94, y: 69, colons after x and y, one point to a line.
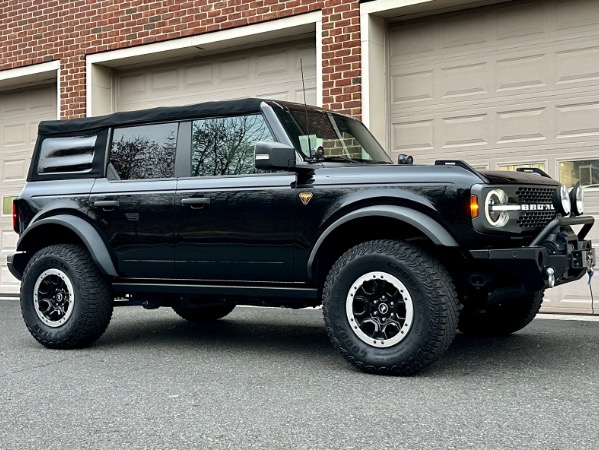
x: 340, y: 159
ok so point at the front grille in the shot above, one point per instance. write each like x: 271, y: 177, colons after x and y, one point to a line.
x: 535, y: 196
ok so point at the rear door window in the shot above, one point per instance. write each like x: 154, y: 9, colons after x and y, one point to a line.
x: 143, y: 152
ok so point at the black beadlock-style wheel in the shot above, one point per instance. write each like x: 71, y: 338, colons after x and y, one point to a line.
x: 502, y: 319
x: 204, y: 313
x: 390, y: 307
x: 65, y: 300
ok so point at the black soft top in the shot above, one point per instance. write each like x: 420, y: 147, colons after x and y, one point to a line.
x: 162, y: 114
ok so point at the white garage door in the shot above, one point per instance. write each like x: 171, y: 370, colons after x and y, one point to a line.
x: 501, y: 86
x: 20, y: 112
x: 270, y: 72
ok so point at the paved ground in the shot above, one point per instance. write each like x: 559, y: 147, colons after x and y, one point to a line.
x: 269, y: 379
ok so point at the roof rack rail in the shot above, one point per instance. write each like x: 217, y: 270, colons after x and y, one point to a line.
x: 457, y: 162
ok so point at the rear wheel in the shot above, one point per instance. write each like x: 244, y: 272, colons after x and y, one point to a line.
x: 502, y: 319
x: 65, y: 300
x: 389, y: 307
x: 204, y: 313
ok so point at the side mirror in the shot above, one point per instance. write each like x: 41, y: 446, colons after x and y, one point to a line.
x: 274, y: 156
x: 405, y: 159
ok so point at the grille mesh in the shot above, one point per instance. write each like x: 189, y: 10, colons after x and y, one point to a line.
x: 535, y: 195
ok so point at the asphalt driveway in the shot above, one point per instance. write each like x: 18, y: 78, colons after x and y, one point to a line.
x: 268, y: 378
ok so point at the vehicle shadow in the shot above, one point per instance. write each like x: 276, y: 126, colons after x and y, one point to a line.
x: 304, y: 336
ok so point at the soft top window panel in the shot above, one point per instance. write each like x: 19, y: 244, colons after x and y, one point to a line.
x: 66, y: 155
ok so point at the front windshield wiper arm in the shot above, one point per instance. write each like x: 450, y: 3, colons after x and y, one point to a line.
x: 340, y: 159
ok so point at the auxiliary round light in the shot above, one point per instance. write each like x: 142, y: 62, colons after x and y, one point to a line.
x: 496, y: 218
x: 561, y: 201
x: 577, y: 200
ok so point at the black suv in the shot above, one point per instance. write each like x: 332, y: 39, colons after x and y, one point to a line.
x: 257, y: 202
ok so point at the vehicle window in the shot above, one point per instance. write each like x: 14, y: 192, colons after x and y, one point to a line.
x: 66, y: 155
x: 225, y: 145
x: 143, y: 152
x: 328, y: 136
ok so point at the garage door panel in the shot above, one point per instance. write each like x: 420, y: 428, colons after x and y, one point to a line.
x: 576, y: 14
x: 271, y: 72
x: 518, y: 122
x: 164, y: 80
x: 20, y: 113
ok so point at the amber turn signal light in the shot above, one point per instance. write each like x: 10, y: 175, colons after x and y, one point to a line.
x: 473, y: 206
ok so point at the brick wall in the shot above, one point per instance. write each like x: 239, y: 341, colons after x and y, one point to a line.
x: 36, y: 31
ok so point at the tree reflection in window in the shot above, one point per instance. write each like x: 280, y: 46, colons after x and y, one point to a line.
x: 144, y: 152
x: 225, y: 146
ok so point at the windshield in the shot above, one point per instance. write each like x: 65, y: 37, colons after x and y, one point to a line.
x: 325, y: 136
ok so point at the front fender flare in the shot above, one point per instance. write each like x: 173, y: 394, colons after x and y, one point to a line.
x: 84, y: 230
x: 422, y: 222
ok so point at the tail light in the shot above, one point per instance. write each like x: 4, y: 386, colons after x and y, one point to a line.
x: 15, y: 217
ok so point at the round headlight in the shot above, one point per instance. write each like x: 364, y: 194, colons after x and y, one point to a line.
x: 561, y: 201
x: 577, y: 200
x: 497, y: 218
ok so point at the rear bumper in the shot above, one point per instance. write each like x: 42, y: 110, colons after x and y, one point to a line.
x: 16, y: 264
x: 556, y: 256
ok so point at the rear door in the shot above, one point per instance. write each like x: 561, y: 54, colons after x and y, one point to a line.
x: 134, y: 204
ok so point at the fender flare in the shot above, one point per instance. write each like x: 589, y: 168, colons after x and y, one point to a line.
x: 85, y: 231
x: 422, y: 222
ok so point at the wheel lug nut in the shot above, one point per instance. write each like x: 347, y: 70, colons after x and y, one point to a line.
x: 375, y: 313
x: 376, y: 302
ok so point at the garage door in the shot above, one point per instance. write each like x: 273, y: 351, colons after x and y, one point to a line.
x: 503, y: 86
x: 271, y: 72
x: 20, y: 112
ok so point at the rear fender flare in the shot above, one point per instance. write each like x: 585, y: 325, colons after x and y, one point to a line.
x: 432, y: 229
x: 84, y: 230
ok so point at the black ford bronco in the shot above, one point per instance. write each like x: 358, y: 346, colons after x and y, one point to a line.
x: 257, y: 202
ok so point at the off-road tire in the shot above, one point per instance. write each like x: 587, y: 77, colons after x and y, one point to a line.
x: 90, y: 310
x: 503, y: 319
x: 431, y: 293
x: 204, y: 313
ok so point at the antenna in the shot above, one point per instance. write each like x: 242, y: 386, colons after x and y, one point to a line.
x: 306, y: 108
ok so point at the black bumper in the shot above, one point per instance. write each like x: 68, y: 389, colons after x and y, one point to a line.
x: 16, y: 264
x: 556, y: 247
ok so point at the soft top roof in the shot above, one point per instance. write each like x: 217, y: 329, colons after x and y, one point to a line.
x: 162, y: 114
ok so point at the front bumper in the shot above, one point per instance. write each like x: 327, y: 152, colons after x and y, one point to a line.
x: 556, y: 256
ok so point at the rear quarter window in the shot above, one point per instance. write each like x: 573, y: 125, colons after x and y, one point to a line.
x: 66, y: 155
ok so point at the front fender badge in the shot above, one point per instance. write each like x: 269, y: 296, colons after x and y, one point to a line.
x: 305, y: 197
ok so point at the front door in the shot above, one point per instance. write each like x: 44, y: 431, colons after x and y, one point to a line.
x: 231, y: 222
x: 235, y: 228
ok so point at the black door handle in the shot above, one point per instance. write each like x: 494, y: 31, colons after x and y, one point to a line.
x: 195, y: 202
x: 106, y: 205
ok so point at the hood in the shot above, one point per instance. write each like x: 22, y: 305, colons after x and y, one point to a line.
x: 510, y: 177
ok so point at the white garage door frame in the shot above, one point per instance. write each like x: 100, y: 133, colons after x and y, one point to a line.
x: 99, y: 66
x: 14, y: 83
x: 373, y: 36
x: 32, y: 75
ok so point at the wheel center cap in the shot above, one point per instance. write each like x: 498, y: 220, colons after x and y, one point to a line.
x: 383, y: 308
x: 59, y: 297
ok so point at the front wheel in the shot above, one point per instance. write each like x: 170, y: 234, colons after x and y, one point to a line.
x: 65, y: 300
x: 390, y: 307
